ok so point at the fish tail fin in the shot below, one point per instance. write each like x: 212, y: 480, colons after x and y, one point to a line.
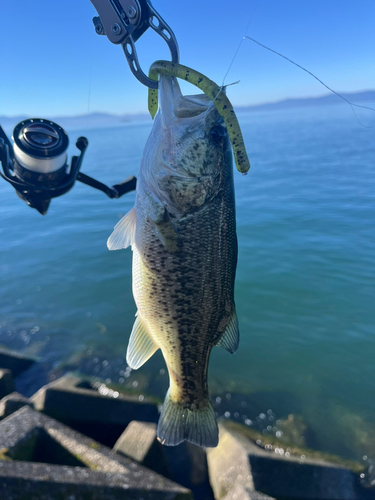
x: 179, y: 423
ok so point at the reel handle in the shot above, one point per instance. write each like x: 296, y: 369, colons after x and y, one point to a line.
x: 124, y: 187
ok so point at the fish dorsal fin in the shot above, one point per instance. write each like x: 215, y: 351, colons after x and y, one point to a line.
x: 141, y: 346
x: 124, y: 232
x: 231, y: 336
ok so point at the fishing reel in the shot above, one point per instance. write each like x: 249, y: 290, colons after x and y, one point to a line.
x: 36, y: 165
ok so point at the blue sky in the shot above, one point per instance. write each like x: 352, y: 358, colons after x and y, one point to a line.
x: 53, y: 63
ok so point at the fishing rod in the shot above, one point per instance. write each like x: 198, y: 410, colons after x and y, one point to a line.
x: 36, y: 163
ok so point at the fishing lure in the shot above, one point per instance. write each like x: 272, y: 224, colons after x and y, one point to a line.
x: 213, y: 92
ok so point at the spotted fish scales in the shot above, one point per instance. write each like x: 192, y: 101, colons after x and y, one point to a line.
x: 183, y: 234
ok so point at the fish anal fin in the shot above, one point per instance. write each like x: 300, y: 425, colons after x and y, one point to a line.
x: 229, y: 340
x: 141, y: 346
x: 124, y: 232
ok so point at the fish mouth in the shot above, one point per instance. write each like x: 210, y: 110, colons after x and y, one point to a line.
x: 175, y: 105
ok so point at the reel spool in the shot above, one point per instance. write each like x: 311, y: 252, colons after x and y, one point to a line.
x: 40, y: 145
x: 36, y: 165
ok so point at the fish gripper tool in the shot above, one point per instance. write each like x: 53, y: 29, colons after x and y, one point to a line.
x: 124, y: 22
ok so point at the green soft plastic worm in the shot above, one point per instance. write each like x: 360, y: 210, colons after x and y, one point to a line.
x: 214, y: 92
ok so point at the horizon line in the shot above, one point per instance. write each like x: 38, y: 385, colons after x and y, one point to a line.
x: 241, y: 106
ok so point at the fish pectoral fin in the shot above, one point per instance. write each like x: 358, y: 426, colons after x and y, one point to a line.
x: 159, y: 216
x: 231, y: 335
x: 141, y: 346
x: 167, y: 232
x: 168, y: 236
x: 124, y: 232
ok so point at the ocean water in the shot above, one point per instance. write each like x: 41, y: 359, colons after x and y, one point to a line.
x: 305, y: 283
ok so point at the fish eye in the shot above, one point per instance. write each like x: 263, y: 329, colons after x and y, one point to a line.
x: 217, y: 133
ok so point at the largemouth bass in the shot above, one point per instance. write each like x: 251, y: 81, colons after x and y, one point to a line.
x: 183, y: 234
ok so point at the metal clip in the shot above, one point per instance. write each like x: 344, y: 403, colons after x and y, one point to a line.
x: 124, y: 22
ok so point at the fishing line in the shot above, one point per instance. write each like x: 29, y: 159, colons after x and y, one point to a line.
x: 223, y: 86
x: 90, y: 83
x: 239, y: 45
x: 234, y: 57
x: 231, y: 64
x: 351, y: 104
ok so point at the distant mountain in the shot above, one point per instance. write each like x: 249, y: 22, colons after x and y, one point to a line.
x: 92, y: 120
x: 325, y: 100
x: 98, y: 120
